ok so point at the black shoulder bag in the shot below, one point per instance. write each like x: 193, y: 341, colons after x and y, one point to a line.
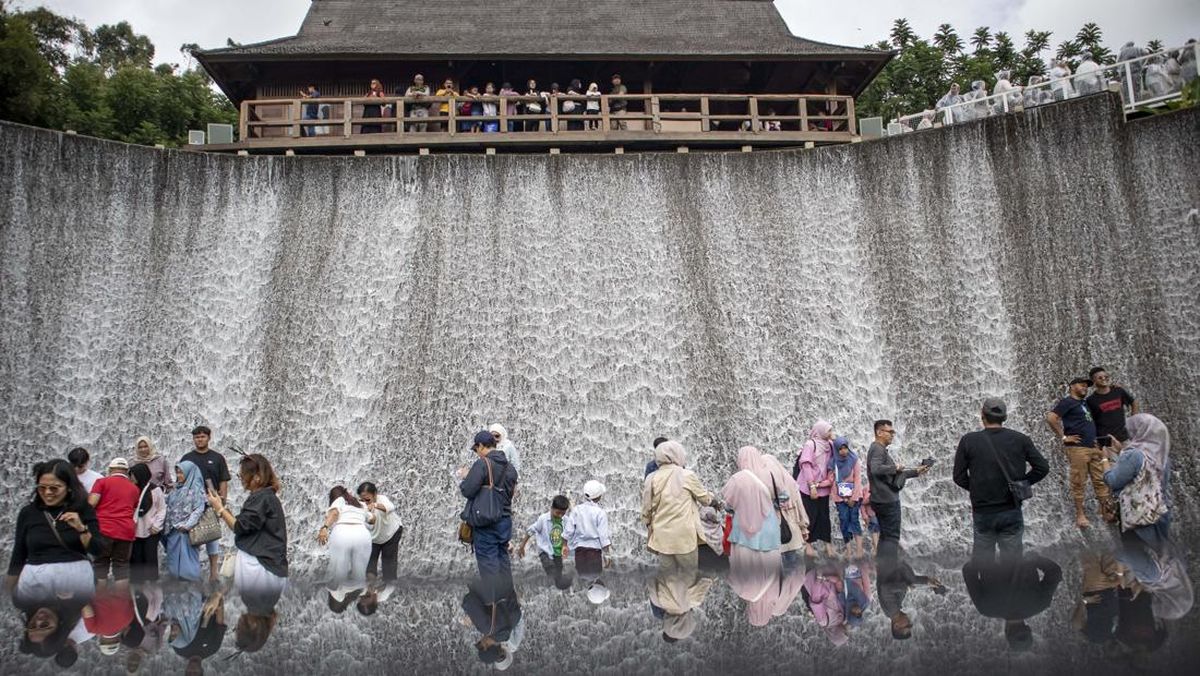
x: 1021, y: 489
x: 785, y: 531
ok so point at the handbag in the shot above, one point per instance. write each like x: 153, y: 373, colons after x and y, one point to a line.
x: 1021, y: 489
x: 465, y: 534
x: 487, y: 507
x: 1142, y: 502
x: 229, y: 565
x: 206, y: 530
x: 845, y: 489
x: 785, y: 531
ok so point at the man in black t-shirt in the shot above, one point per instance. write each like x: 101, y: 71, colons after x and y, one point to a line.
x: 215, y: 471
x: 1072, y: 422
x: 1107, y: 404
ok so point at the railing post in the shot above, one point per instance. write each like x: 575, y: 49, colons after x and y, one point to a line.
x: 705, y: 123
x: 347, y: 118
x: 1129, y: 85
x: 554, y: 114
x: 803, y: 103
x: 754, y: 115
x: 453, y: 116
x: 244, y: 122
x: 1004, y: 101
x: 503, y: 114
x: 400, y: 113
x: 655, y: 122
x: 851, y: 121
x: 604, y: 113
x: 295, y: 130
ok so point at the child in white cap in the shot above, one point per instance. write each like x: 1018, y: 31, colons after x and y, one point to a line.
x: 587, y: 531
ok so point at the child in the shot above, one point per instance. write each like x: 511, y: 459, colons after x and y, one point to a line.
x: 587, y: 532
x: 593, y: 104
x: 847, y: 494
x: 548, y: 533
x: 868, y: 513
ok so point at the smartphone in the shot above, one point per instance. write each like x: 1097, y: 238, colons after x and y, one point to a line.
x: 208, y: 483
x: 1104, y: 441
x: 927, y: 462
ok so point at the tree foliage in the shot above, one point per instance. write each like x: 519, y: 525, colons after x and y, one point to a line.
x: 57, y: 73
x: 923, y: 70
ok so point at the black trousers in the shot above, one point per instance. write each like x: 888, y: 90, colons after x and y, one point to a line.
x: 888, y: 514
x: 143, y: 559
x: 390, y: 551
x: 817, y: 509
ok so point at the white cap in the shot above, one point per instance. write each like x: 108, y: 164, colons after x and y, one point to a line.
x: 505, y: 663
x: 119, y: 463
x: 597, y: 593
x: 593, y: 489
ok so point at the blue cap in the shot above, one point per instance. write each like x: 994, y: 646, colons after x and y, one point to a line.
x: 484, y: 437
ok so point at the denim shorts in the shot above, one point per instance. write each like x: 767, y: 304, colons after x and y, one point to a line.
x: 213, y: 548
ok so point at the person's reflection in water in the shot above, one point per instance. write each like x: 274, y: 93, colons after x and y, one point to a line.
x: 148, y: 615
x: 675, y: 592
x: 1013, y: 591
x: 777, y: 597
x: 49, y: 630
x: 856, y: 592
x: 1095, y: 614
x: 822, y: 592
x: 492, y: 607
x: 197, y: 626
x: 895, y: 578
x: 377, y: 592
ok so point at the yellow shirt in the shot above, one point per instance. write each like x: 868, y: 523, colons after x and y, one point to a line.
x: 445, y: 107
x: 669, y: 498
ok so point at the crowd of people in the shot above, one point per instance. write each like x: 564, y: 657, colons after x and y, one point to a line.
x: 93, y: 541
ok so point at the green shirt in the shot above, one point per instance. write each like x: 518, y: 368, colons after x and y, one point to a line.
x: 556, y: 536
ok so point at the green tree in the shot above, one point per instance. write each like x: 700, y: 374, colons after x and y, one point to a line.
x: 902, y: 34
x: 981, y: 39
x: 27, y: 79
x: 1154, y: 46
x: 1089, y: 39
x: 947, y: 40
x: 56, y: 35
x: 115, y: 46
x: 1004, y: 53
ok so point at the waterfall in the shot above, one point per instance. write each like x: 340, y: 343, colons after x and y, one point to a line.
x: 360, y: 318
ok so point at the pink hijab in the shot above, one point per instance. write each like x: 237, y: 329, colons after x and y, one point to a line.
x: 744, y: 492
x: 1149, y: 435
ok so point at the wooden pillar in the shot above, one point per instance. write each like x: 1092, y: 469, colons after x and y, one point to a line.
x: 850, y: 113
x: 244, y: 121
x: 503, y: 114
x: 704, y: 123
x: 453, y: 117
x: 754, y: 115
x: 347, y: 116
x: 296, y: 115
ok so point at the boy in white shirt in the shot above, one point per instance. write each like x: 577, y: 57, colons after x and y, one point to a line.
x: 548, y: 532
x: 587, y: 532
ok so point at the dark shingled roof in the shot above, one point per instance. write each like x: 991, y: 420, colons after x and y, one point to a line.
x: 534, y: 28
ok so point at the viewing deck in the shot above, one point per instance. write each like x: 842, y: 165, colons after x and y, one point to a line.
x: 649, y: 122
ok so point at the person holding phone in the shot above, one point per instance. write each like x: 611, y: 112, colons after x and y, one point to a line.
x: 55, y: 533
x: 1071, y: 421
x: 887, y: 479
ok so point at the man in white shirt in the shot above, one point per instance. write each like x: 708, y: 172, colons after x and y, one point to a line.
x: 587, y: 532
x: 79, y: 459
x: 385, y: 532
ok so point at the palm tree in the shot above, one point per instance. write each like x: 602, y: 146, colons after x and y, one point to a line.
x: 1004, y: 51
x: 902, y: 34
x: 1036, y: 42
x: 981, y: 38
x: 1154, y: 46
x: 947, y: 39
x: 1067, y: 49
x: 1090, y: 35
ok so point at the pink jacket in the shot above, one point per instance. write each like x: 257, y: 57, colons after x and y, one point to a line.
x: 855, y: 478
x: 813, y: 469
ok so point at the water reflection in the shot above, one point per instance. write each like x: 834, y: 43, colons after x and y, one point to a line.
x: 1012, y: 590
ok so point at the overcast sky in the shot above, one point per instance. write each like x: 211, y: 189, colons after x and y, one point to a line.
x: 171, y: 23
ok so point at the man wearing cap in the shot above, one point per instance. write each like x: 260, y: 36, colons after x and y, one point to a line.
x: 617, y: 107
x: 1071, y: 422
x: 115, y: 498
x: 492, y: 468
x: 587, y: 532
x: 998, y: 520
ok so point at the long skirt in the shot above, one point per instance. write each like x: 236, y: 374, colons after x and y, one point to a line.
x: 819, y: 527
x: 183, y: 559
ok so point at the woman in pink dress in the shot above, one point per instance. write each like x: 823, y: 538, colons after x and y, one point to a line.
x: 815, y: 480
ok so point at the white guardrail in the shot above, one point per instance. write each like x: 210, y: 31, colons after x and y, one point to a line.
x: 1142, y: 82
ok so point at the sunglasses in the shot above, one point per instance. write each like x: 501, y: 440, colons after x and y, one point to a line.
x: 50, y: 488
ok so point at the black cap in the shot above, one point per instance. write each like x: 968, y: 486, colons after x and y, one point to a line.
x: 994, y: 407
x: 1085, y: 381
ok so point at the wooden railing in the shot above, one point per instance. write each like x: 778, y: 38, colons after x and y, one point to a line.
x: 323, y: 121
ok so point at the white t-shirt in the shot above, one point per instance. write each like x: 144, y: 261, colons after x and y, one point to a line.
x: 88, y: 478
x: 386, y: 523
x: 348, y: 515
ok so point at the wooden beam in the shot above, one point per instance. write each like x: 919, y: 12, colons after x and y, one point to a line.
x: 244, y: 121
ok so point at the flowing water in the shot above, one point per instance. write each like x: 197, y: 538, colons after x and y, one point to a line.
x: 361, y: 318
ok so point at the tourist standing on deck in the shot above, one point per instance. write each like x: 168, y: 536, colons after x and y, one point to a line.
x: 311, y: 110
x: 185, y: 506
x: 80, y: 459
x: 162, y: 473
x: 260, y: 534
x: 887, y: 480
x: 54, y: 535
x: 998, y: 520
x: 419, y: 91
x: 491, y: 471
x: 1140, y: 478
x: 444, y: 107
x: 347, y: 532
x: 617, y: 107
x: 385, y: 533
x: 755, y: 537
x: 1107, y: 404
x: 815, y: 479
x: 151, y: 517
x: 215, y: 472
x: 669, y: 499
x: 847, y: 494
x: 791, y: 508
x: 115, y: 498
x: 1071, y: 422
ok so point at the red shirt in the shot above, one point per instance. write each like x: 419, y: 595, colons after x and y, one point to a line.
x: 118, y: 503
x: 113, y: 612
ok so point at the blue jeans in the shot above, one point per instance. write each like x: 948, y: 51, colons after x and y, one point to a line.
x: 1001, y: 531
x: 849, y: 521
x: 491, y: 548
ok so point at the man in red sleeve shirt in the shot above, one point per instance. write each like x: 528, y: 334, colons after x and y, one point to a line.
x: 115, y: 498
x: 108, y: 616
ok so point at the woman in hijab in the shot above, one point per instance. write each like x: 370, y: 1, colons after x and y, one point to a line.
x: 822, y: 589
x: 848, y: 494
x: 185, y: 506
x: 1140, y: 481
x: 669, y: 499
x: 815, y: 479
x: 791, y: 509
x: 754, y: 558
x: 151, y: 516
x: 503, y: 443
x: 144, y: 453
